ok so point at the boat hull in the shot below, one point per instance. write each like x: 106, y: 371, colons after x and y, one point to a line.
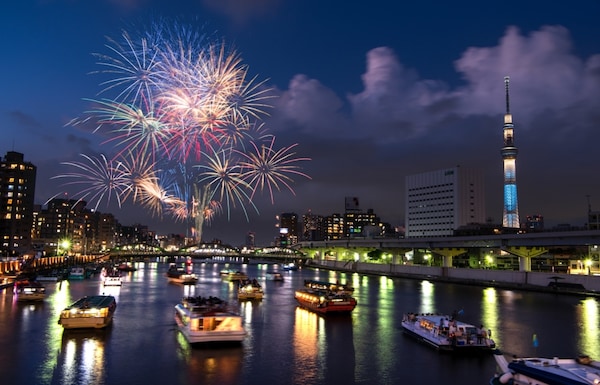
x: 323, y: 303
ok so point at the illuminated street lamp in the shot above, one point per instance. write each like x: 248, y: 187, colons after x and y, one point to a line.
x: 64, y: 245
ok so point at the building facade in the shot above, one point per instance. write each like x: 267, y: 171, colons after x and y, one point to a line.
x: 439, y: 202
x: 17, y: 194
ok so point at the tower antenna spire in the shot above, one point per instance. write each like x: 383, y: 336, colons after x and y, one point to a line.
x: 506, y: 81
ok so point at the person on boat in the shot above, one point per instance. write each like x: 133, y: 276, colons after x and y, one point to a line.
x: 481, y: 334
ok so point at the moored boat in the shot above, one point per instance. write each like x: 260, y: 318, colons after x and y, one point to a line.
x: 447, y: 333
x: 581, y: 370
x: 91, y: 312
x: 250, y: 289
x: 208, y: 320
x: 29, y: 291
x: 325, y: 301
x: 179, y: 275
x: 76, y: 273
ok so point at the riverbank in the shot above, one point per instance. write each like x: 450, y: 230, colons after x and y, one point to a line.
x: 581, y: 285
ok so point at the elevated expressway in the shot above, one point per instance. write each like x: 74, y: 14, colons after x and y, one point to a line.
x: 525, y: 246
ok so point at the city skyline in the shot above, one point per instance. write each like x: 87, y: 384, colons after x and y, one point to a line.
x: 409, y: 91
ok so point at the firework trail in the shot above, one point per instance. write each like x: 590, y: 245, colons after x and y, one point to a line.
x: 184, y: 127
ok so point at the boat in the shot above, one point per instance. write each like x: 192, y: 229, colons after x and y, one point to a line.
x: 204, y: 320
x: 90, y: 312
x: 233, y: 275
x: 274, y: 276
x: 179, y: 275
x: 29, y: 291
x: 581, y: 370
x: 126, y: 267
x: 111, y: 277
x: 250, y: 289
x: 321, y: 285
x: 290, y: 267
x: 446, y: 333
x: 325, y: 301
x: 76, y: 273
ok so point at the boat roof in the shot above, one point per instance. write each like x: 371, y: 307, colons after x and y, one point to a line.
x: 98, y: 301
x: 559, y: 371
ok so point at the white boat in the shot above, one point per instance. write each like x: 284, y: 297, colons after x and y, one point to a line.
x: 89, y: 312
x: 208, y: 320
x: 179, y: 275
x: 29, y: 291
x: 546, y: 371
x: 250, y: 289
x: 447, y: 333
x: 111, y: 277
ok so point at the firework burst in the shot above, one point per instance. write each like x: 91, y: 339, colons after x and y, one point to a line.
x: 184, y: 127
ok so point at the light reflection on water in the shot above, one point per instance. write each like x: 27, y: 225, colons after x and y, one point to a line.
x: 285, y: 344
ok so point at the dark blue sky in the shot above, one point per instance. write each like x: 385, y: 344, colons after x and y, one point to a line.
x: 371, y: 91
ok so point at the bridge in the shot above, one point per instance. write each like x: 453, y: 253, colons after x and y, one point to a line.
x: 524, y: 246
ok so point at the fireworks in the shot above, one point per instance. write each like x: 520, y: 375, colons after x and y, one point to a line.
x: 185, y: 129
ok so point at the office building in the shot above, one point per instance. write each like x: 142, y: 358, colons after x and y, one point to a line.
x: 439, y: 202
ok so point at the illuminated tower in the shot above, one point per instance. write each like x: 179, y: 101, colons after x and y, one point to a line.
x: 510, y: 217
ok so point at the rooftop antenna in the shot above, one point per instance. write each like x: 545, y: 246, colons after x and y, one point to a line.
x: 506, y: 81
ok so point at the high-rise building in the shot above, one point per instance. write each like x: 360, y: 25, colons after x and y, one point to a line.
x: 510, y: 216
x: 439, y: 202
x: 17, y: 193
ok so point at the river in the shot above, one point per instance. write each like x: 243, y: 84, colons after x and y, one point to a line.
x: 285, y: 344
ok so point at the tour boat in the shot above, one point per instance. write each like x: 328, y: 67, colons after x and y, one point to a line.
x: 446, y: 333
x: 179, y: 275
x: 250, y: 289
x: 546, y: 371
x: 29, y: 291
x: 274, y: 276
x: 325, y: 301
x: 52, y: 276
x: 111, y: 277
x: 89, y: 312
x: 208, y: 320
x: 233, y: 275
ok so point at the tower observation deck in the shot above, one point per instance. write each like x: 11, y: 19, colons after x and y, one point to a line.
x: 510, y: 216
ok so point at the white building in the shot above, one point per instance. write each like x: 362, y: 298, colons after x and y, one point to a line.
x: 439, y: 202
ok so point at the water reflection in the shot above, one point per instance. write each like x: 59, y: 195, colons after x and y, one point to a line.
x: 489, y: 313
x: 81, y: 359
x: 323, y: 348
x: 427, y: 298
x: 588, y: 322
x: 211, y: 365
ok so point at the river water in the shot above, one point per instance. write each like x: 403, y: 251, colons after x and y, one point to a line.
x: 285, y: 344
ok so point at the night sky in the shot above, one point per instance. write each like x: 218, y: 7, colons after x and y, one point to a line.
x: 370, y: 91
